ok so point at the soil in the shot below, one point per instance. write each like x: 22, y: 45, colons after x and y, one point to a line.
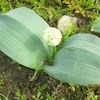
x: 14, y: 76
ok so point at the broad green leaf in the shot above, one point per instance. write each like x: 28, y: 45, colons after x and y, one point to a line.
x: 78, y: 61
x: 32, y: 21
x: 20, y: 43
x: 96, y: 25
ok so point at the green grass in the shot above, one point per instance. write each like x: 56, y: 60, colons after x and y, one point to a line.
x: 50, y: 89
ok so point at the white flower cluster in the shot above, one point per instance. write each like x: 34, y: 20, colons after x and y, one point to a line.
x: 65, y: 22
x: 52, y: 36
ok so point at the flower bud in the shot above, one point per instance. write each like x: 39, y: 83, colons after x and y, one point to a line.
x: 52, y: 36
x: 66, y: 22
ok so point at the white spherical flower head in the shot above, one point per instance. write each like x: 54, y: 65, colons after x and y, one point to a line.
x: 52, y: 36
x: 65, y: 22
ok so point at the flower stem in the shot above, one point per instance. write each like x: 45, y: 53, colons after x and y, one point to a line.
x: 54, y: 52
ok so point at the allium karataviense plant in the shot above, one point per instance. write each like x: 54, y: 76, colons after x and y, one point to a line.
x: 30, y: 41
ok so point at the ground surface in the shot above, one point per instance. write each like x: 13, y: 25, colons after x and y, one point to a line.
x: 15, y: 81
